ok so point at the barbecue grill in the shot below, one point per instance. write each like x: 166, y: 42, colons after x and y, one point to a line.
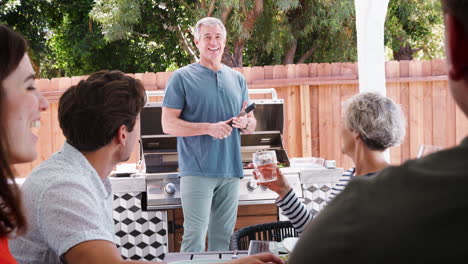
x: 160, y: 158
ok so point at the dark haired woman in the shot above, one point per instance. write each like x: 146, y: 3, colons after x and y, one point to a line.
x: 20, y: 107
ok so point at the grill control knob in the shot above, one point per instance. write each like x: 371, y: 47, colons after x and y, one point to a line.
x: 170, y: 188
x: 252, y: 185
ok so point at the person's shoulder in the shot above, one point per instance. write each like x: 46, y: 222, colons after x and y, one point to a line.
x: 185, y: 73
x: 188, y: 69
x: 52, y: 172
x: 233, y: 72
x: 445, y: 168
x: 445, y: 164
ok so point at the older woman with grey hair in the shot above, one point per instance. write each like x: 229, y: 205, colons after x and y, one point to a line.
x: 371, y: 124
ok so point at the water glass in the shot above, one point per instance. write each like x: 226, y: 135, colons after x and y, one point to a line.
x: 265, y: 165
x: 260, y: 246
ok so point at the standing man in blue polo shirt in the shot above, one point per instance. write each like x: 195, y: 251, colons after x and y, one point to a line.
x: 201, y: 100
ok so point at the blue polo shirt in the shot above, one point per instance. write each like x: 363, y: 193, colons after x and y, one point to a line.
x: 209, y: 96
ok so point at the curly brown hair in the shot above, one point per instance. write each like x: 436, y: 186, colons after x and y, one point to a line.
x: 13, y: 48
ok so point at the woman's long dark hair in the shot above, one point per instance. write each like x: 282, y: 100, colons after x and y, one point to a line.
x: 12, y: 49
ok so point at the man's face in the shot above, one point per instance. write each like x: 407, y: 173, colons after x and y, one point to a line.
x: 211, y: 43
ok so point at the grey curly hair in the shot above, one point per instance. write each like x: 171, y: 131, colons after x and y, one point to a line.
x: 378, y: 120
x: 208, y: 21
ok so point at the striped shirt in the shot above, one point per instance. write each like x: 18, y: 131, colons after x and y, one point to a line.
x: 296, y: 211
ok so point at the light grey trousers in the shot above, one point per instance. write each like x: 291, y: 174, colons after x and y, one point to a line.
x: 209, y: 204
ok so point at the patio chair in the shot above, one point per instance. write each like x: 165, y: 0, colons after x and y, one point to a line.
x: 274, y: 231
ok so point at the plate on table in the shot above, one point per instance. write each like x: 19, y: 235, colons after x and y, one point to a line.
x: 199, y: 261
x: 289, y: 243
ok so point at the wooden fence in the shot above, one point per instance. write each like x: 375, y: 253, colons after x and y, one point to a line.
x: 313, y: 95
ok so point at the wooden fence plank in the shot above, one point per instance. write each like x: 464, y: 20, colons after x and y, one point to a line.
x: 439, y: 116
x: 326, y: 114
x: 257, y: 73
x: 246, y: 71
x: 451, y: 121
x: 392, y: 69
x: 416, y: 116
x: 162, y: 78
x: 150, y: 81
x: 279, y: 72
x: 314, y: 111
x: 314, y: 120
x: 405, y: 104
x: 336, y: 115
x: 293, y: 128
x: 427, y: 104
x: 302, y: 70
x: 268, y: 72
x: 305, y: 121
x: 293, y: 131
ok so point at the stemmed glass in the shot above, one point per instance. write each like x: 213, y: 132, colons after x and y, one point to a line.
x: 425, y: 150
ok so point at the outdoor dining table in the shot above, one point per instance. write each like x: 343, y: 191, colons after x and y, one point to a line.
x: 221, y: 255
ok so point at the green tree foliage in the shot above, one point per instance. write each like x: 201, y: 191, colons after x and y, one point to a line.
x: 312, y: 31
x: 414, y: 27
x: 78, y: 37
x: 32, y: 18
x: 83, y: 46
x: 117, y: 18
x: 69, y: 42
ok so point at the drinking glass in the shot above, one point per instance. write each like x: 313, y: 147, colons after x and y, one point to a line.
x: 265, y: 165
x: 425, y: 150
x: 260, y: 246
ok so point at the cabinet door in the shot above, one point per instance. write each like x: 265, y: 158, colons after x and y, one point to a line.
x: 246, y: 215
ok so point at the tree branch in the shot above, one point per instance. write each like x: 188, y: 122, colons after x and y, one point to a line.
x: 253, y: 15
x: 185, y: 4
x: 307, y: 54
x: 244, y: 8
x: 290, y: 52
x: 225, y: 14
x: 247, y: 28
x: 212, y: 5
x: 203, y: 4
x: 186, y: 44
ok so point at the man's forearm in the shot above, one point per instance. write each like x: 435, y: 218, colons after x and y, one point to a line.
x: 181, y: 128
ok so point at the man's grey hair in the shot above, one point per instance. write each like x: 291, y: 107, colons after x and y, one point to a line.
x: 378, y: 120
x: 208, y: 21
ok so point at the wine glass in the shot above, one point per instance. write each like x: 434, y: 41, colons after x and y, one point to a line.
x: 425, y: 150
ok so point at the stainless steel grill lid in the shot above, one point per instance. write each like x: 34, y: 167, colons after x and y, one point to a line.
x: 159, y: 150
